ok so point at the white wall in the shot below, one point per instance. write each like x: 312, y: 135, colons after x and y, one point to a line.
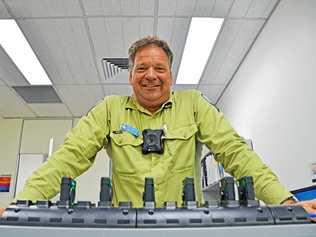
x: 272, y: 98
x: 37, y: 133
x: 32, y: 136
x: 10, y: 130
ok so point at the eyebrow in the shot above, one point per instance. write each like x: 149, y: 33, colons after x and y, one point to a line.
x: 160, y: 64
x: 145, y: 64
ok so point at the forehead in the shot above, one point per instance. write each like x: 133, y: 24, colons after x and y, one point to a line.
x: 151, y: 52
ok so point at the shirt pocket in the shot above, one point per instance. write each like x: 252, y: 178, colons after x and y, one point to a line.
x: 125, y: 153
x: 125, y: 139
x: 181, y: 144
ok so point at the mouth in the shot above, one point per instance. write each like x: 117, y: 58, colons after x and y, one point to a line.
x: 149, y: 86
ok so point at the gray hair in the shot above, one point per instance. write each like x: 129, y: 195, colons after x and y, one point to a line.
x: 149, y: 40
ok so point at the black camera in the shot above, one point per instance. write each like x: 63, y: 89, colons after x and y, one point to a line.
x: 152, y: 141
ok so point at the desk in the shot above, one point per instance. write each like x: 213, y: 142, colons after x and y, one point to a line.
x: 301, y: 230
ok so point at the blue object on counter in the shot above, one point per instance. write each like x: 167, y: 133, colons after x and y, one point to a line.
x: 130, y: 129
x: 312, y: 215
x: 303, y: 194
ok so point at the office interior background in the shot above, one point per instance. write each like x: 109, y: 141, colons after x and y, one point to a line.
x: 260, y: 74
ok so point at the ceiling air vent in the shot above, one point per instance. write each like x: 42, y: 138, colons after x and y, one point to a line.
x: 37, y: 94
x: 114, y: 66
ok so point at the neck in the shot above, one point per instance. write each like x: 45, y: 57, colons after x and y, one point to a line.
x: 152, y: 107
x: 152, y: 110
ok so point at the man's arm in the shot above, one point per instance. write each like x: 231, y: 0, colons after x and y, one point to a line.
x: 234, y: 154
x: 238, y: 159
x: 289, y: 201
x: 72, y: 158
x: 1, y: 211
x: 309, y: 206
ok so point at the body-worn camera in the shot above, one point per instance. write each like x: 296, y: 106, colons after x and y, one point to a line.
x: 152, y: 141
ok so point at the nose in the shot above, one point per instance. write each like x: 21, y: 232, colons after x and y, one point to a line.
x: 151, y: 74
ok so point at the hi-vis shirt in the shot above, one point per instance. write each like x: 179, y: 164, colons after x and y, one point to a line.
x: 187, y: 119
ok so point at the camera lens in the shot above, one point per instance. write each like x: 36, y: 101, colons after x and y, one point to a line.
x: 151, y: 139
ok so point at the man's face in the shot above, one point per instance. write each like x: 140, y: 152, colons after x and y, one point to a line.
x: 151, y: 77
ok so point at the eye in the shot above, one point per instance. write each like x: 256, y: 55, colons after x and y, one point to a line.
x: 160, y: 69
x: 140, y: 69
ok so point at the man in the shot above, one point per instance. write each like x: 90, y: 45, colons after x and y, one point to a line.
x: 180, y: 120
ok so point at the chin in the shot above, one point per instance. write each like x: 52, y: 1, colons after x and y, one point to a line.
x: 152, y: 92
x: 152, y: 97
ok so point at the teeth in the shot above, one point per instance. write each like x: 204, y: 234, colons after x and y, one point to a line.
x: 150, y: 85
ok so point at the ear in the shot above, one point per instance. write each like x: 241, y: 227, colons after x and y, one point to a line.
x: 171, y: 78
x: 130, y: 79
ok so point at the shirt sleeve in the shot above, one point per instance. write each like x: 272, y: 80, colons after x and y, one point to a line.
x: 234, y: 154
x: 72, y: 158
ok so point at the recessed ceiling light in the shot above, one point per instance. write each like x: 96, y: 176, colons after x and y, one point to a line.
x: 198, y: 47
x: 16, y: 46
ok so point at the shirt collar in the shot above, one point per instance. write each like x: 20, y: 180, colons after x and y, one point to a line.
x: 132, y: 103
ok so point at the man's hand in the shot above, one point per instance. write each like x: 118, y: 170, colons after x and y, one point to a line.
x: 309, y: 206
x: 1, y: 211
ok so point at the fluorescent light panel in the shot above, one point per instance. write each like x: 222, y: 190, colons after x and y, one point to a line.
x: 16, y: 46
x: 199, y: 44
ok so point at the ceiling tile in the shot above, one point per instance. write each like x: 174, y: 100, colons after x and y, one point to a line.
x: 165, y: 28
x: 226, y: 38
x: 204, y: 8
x: 260, y: 8
x: 115, y: 37
x: 185, y: 7
x: 37, y: 94
x: 131, y: 28
x: 180, y: 30
x: 146, y: 26
x: 9, y: 73
x: 183, y: 86
x: 270, y: 6
x: 11, y: 105
x: 50, y: 110
x: 100, y: 34
x: 44, y: 8
x: 117, y: 89
x: 73, y: 96
x: 167, y: 8
x: 106, y: 45
x: 240, y: 8
x: 63, y: 47
x: 243, y: 41
x: 146, y: 7
x: 102, y: 7
x: 119, y: 79
x: 222, y: 8
x: 136, y: 28
x: 129, y: 7
x: 4, y: 14
x: 212, y: 92
x: 71, y: 50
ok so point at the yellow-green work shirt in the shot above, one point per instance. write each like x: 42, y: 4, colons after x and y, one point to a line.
x: 187, y: 119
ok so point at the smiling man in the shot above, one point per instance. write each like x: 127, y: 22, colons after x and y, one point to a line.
x: 176, y: 121
x: 150, y: 75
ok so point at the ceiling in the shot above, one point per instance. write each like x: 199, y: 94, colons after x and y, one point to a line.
x: 71, y: 37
